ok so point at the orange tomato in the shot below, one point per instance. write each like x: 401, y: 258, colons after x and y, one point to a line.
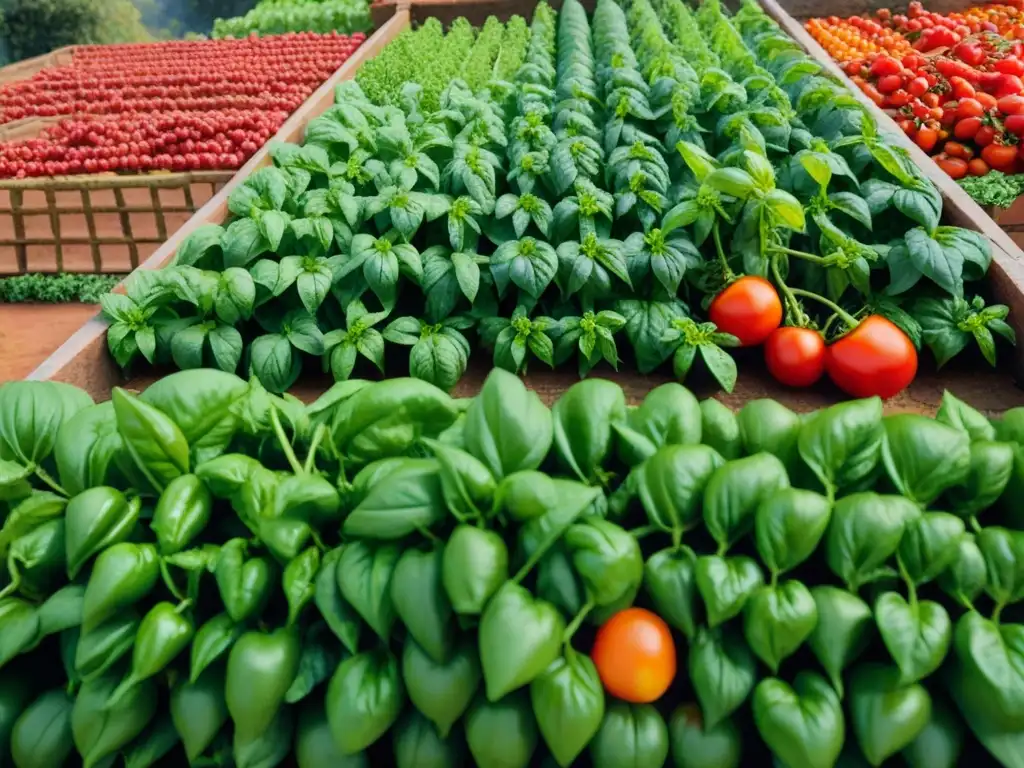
x: 977, y: 167
x: 955, y: 167
x: 956, y: 149
x: 635, y: 656
x: 987, y: 100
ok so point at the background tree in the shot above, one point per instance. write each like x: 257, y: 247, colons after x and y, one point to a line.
x: 35, y: 27
x: 173, y: 18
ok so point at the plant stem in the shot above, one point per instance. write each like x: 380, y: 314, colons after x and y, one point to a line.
x: 425, y: 533
x: 997, y: 611
x: 43, y: 475
x: 644, y: 531
x: 787, y: 293
x: 845, y: 316
x: 169, y: 582
x: 798, y: 254
x: 721, y: 253
x: 286, y: 446
x: 911, y: 588
x: 577, y: 622
x: 314, y: 443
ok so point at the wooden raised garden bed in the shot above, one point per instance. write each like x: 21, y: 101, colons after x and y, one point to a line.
x: 84, y: 360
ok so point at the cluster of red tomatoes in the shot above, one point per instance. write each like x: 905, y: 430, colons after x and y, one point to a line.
x: 954, y: 83
x: 169, y: 141
x: 873, y: 358
x: 970, y: 120
x: 254, y: 73
x: 174, y: 106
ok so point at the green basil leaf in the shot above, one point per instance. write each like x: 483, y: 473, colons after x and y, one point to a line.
x: 671, y: 485
x: 842, y: 444
x: 777, y: 620
x: 865, y: 532
x: 924, y: 457
x: 508, y: 428
x: 788, y: 526
x: 735, y: 491
x: 802, y: 724
x: 583, y: 420
x: 725, y: 585
x: 843, y: 631
x: 723, y: 673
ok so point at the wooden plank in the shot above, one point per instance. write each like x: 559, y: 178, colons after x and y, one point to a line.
x: 1006, y: 274
x: 83, y: 360
x: 160, y: 179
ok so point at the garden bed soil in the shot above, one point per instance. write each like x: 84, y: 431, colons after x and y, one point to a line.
x: 29, y: 333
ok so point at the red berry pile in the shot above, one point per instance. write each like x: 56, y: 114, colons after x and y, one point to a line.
x: 180, y: 105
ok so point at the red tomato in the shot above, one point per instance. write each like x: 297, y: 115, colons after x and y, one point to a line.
x: 1009, y: 66
x: 918, y: 86
x: 987, y: 100
x: 969, y: 108
x: 913, y: 61
x: 907, y: 126
x: 899, y: 98
x: 749, y: 309
x: 885, y: 65
x: 872, y: 93
x: 956, y: 149
x: 1011, y: 105
x: 926, y: 139
x: 931, y: 99
x: 875, y: 358
x: 986, y: 135
x: 977, y: 167
x: 795, y: 356
x: 954, y: 167
x: 1009, y: 85
x: 889, y: 83
x: 969, y: 53
x: 961, y: 89
x: 1015, y: 124
x: 999, y: 156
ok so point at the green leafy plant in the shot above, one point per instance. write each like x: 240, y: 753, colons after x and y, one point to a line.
x: 305, y: 579
x: 56, y: 289
x: 637, y: 163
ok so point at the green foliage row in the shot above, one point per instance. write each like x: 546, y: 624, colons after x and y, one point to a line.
x: 994, y: 188
x: 391, y: 576
x: 344, y: 16
x: 56, y: 289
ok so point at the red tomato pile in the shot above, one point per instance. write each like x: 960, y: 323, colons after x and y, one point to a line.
x: 181, y: 105
x: 954, y: 83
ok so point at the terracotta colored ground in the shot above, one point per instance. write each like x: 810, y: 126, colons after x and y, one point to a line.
x: 31, y: 332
